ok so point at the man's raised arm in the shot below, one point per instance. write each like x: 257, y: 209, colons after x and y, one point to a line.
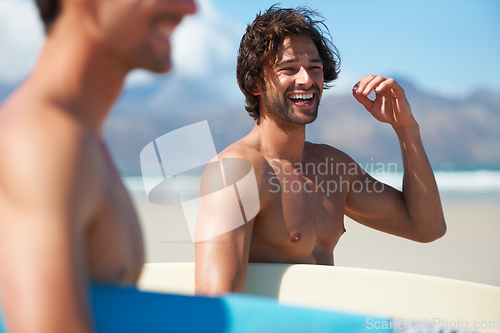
x: 416, y: 213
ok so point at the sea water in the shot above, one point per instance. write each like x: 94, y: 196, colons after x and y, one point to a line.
x: 470, y: 185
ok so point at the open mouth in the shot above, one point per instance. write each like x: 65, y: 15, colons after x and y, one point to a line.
x: 164, y: 31
x: 164, y: 26
x: 302, y: 98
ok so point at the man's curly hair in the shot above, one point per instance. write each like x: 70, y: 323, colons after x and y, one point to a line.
x: 49, y: 10
x: 259, y: 47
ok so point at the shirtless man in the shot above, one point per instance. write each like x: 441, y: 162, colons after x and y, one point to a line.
x: 65, y: 216
x: 284, y: 63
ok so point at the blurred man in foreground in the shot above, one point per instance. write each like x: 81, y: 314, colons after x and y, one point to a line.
x: 65, y: 216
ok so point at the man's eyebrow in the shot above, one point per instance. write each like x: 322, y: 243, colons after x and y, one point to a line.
x: 316, y: 60
x: 290, y: 61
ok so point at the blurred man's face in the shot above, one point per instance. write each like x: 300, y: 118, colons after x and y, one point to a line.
x: 138, y: 31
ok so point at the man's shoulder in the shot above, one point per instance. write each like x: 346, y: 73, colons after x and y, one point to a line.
x: 321, y: 151
x: 244, y: 151
x: 236, y: 162
x: 330, y: 159
x: 41, y: 132
x: 239, y: 149
x: 39, y: 143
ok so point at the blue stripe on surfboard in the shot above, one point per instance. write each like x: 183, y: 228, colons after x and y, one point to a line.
x: 265, y: 315
x: 2, y: 329
x: 126, y: 309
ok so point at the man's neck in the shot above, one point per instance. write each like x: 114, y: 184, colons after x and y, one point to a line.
x: 284, y: 142
x: 78, y: 76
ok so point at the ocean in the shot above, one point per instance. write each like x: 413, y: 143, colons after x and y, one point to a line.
x: 454, y: 186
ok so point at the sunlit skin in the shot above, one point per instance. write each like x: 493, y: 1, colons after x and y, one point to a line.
x: 65, y: 216
x: 300, y: 221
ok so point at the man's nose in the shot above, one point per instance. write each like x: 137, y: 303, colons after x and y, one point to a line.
x: 183, y: 7
x: 304, y: 78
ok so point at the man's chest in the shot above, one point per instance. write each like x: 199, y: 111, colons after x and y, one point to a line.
x: 304, y: 211
x: 115, y: 238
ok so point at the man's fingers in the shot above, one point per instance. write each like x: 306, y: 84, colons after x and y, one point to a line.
x: 368, y: 83
x: 372, y: 84
x: 379, y: 84
x: 364, y: 87
x: 361, y: 85
x: 390, y: 86
x: 365, y: 101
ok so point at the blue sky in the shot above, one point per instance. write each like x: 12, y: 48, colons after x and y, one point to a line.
x: 447, y: 47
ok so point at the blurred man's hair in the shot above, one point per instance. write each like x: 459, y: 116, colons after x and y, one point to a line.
x: 49, y: 10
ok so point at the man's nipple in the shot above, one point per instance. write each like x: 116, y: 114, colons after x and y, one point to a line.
x: 295, y: 237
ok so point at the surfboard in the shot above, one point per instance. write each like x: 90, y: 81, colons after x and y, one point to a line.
x: 426, y: 300
x: 296, y: 298
x: 126, y: 309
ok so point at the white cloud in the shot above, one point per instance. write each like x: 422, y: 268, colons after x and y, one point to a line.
x: 21, y: 37
x: 204, y: 44
x: 205, y: 40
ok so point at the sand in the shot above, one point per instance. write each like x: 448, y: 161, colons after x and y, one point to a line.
x: 469, y: 251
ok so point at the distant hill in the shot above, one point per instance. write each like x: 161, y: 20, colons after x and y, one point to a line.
x: 457, y: 133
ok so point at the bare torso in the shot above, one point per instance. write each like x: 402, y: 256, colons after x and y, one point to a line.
x: 114, y: 242
x: 304, y: 216
x: 101, y: 208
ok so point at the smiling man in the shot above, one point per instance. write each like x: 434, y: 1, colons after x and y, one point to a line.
x: 65, y: 216
x: 285, y: 61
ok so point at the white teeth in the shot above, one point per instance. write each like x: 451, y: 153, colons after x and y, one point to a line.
x: 301, y: 96
x: 165, y: 32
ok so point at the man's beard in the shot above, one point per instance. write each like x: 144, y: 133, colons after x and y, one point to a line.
x: 282, y: 109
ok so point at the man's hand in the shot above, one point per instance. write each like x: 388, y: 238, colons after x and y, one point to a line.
x: 416, y: 212
x: 390, y: 104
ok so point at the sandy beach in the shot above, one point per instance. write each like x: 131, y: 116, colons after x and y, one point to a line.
x: 469, y: 251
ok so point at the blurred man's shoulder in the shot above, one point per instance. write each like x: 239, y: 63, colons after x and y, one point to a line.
x: 38, y: 124
x: 43, y: 135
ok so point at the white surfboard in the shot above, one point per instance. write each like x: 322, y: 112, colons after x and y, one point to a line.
x: 402, y: 296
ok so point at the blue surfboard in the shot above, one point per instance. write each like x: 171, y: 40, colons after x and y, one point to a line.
x: 126, y: 309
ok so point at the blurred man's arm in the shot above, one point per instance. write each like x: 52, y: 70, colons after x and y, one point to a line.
x: 416, y: 212
x: 44, y: 214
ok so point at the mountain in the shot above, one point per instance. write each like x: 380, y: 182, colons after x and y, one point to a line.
x: 457, y: 133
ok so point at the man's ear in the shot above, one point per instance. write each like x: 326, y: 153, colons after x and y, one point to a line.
x: 256, y: 89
